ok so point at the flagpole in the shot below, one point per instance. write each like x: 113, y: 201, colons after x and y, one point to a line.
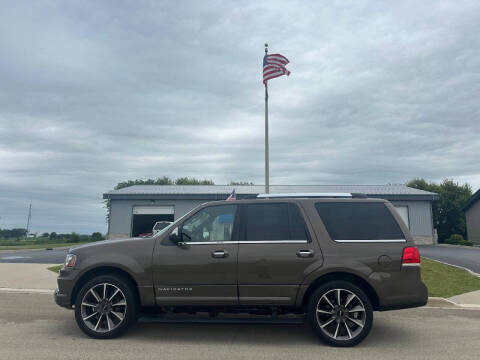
x: 267, y: 170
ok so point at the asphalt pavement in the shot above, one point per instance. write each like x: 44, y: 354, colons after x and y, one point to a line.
x: 54, y: 256
x: 33, y: 327
x: 461, y: 256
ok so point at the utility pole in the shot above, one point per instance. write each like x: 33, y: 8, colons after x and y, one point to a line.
x: 28, y: 218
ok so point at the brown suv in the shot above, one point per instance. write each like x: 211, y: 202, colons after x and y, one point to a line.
x: 334, y: 259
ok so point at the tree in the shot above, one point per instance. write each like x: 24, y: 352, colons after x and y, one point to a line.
x: 53, y: 235
x: 239, y: 183
x: 448, y: 217
x: 45, y: 234
x: 74, y: 237
x: 96, y: 236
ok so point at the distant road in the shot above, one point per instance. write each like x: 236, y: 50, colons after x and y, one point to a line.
x: 54, y: 256
x: 461, y: 256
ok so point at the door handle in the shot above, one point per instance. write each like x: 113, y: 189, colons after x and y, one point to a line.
x: 305, y: 253
x: 220, y: 254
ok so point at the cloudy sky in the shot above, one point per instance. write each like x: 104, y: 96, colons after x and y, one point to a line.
x: 94, y: 93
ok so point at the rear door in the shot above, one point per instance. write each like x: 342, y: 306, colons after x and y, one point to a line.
x: 276, y: 252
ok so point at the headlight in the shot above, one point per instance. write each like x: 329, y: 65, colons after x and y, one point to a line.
x: 70, y: 260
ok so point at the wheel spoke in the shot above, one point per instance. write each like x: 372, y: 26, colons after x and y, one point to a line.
x: 117, y: 314
x: 98, y: 322
x: 336, y: 331
x: 348, y: 330
x: 324, y: 311
x: 338, y: 297
x: 328, y: 301
x: 91, y: 315
x: 94, y: 294
x: 87, y: 304
x: 120, y: 303
x: 349, y: 298
x: 109, y: 322
x: 357, y: 308
x: 328, y: 322
x: 355, y: 321
x: 115, y: 293
x: 104, y: 291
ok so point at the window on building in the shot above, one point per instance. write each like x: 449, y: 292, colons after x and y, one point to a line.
x: 358, y: 221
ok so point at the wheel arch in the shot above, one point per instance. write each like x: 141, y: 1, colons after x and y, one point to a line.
x: 103, y: 270
x: 343, y: 276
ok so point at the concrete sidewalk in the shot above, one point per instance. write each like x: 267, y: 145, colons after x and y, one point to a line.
x: 27, y: 276
x: 470, y: 299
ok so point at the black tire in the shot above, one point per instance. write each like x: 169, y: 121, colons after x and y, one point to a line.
x: 340, y: 325
x: 110, y: 316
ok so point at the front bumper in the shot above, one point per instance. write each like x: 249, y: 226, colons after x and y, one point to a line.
x: 62, y: 300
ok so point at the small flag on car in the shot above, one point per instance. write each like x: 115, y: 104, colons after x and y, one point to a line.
x: 232, y: 196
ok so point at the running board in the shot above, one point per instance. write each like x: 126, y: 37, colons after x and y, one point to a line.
x: 255, y: 319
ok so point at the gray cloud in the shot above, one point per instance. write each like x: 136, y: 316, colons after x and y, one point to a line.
x: 94, y: 93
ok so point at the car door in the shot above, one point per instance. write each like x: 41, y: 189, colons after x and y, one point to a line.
x: 202, y: 269
x: 276, y: 252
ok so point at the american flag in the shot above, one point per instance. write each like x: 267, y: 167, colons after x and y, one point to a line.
x: 274, y: 66
x: 232, y: 196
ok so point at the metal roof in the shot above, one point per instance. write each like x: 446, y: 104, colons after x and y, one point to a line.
x: 475, y: 197
x: 217, y: 192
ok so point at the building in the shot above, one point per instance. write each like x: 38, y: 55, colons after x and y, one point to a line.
x: 472, y: 214
x: 135, y: 209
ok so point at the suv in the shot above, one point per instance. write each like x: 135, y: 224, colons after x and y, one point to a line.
x: 333, y: 259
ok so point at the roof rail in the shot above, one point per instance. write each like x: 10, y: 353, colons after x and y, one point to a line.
x: 310, y: 195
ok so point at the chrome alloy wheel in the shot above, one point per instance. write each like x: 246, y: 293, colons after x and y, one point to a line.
x: 103, y: 307
x: 341, y: 314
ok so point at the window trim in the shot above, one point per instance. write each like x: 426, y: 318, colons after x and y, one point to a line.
x: 372, y: 241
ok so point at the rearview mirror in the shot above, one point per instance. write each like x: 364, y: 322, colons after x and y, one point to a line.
x: 174, y: 236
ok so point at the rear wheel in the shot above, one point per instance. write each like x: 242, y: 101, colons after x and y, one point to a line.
x: 340, y: 313
x: 106, y: 306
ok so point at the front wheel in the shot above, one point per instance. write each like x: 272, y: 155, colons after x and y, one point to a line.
x: 106, y: 306
x: 340, y: 313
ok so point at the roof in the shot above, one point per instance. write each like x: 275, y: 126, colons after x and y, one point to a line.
x: 219, y: 192
x: 475, y: 197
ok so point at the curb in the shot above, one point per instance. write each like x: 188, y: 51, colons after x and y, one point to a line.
x: 447, y: 303
x: 459, y: 246
x: 457, y: 266
x: 31, y: 291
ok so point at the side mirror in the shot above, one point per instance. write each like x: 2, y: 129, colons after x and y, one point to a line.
x: 174, y: 237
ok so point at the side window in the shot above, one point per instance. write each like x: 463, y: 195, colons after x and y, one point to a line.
x: 274, y: 222
x: 213, y: 223
x: 358, y: 221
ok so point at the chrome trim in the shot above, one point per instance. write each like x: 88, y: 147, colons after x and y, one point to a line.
x: 247, y: 242
x: 303, y: 195
x: 372, y: 241
x: 409, y: 264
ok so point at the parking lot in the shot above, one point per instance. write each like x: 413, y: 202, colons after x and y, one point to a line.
x: 33, y: 327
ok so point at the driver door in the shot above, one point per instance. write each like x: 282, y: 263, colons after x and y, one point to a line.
x: 202, y: 269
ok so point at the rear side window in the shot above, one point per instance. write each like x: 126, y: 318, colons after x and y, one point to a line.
x: 274, y: 222
x: 358, y: 221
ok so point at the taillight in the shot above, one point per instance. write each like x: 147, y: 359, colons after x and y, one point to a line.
x: 411, y: 256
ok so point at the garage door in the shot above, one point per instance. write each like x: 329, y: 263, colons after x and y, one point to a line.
x: 145, y: 217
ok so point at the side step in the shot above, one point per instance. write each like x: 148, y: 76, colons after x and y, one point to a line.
x: 220, y: 319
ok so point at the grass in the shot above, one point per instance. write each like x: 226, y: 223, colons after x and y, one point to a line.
x: 447, y: 281
x: 55, y: 268
x: 38, y: 246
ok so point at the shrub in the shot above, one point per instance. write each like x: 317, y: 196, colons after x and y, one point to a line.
x: 96, y: 236
x: 457, y: 239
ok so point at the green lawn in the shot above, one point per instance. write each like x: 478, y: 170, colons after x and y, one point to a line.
x: 38, y: 246
x: 55, y: 268
x: 446, y: 281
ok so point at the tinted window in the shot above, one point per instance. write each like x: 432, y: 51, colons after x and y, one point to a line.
x: 274, y: 222
x: 214, y: 223
x: 358, y: 221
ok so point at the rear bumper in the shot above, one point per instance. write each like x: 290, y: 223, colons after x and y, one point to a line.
x: 400, y: 290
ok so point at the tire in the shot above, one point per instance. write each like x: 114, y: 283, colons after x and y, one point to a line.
x: 109, y: 310
x: 336, y: 322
